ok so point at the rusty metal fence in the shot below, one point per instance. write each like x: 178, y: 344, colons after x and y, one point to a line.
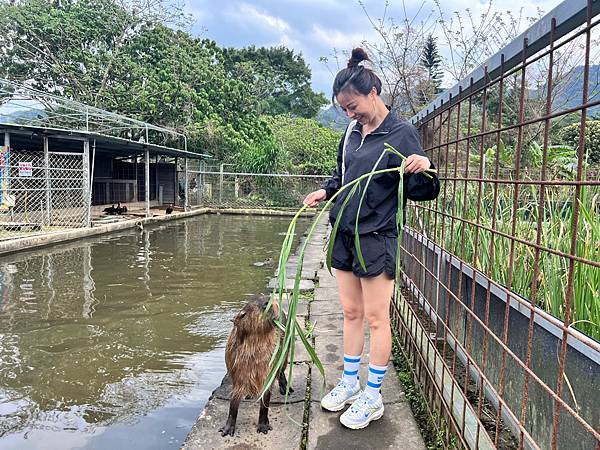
x: 500, y: 312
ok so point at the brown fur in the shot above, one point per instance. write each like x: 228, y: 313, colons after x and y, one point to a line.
x: 249, y: 349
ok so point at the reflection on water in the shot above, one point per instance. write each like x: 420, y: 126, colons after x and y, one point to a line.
x: 118, y: 341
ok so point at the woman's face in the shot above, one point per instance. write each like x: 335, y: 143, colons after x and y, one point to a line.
x: 357, y: 106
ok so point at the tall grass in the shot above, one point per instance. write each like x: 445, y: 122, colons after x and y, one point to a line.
x: 555, y: 233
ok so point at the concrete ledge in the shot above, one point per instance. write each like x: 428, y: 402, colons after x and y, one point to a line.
x: 258, y: 212
x: 286, y: 421
x: 396, y: 429
x: 305, y: 285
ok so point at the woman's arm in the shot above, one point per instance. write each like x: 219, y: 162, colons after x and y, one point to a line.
x: 417, y: 186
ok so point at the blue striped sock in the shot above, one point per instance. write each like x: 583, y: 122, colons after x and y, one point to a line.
x: 376, y: 374
x: 351, y: 364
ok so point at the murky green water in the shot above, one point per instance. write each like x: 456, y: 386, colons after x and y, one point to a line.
x: 117, y: 342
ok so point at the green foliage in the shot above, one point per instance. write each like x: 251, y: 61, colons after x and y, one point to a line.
x: 278, y: 78
x: 570, y: 136
x: 305, y: 146
x: 432, y: 61
x: 561, y: 159
x: 121, y: 56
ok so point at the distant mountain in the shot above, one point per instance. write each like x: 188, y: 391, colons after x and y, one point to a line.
x: 333, y: 118
x: 569, y: 90
x: 22, y: 111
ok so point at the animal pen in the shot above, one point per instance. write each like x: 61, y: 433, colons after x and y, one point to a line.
x: 62, y: 163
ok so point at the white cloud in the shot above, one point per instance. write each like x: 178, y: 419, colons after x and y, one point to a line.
x: 249, y: 15
x: 337, y: 39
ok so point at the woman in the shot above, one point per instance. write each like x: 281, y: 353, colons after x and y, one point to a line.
x: 367, y: 294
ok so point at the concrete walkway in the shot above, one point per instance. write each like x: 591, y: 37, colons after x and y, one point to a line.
x: 301, y: 423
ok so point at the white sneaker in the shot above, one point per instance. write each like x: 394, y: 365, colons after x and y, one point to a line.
x: 339, y: 396
x: 362, y: 412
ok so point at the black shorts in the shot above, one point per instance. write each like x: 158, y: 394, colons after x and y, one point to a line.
x: 378, y: 251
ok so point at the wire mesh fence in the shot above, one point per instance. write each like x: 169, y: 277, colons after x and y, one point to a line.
x: 248, y: 191
x: 501, y: 308
x: 41, y: 195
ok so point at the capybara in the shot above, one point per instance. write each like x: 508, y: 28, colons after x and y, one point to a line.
x: 248, y: 353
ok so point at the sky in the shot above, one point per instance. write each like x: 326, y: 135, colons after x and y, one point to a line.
x: 315, y: 28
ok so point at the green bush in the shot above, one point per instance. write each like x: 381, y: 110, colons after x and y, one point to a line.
x: 304, y: 145
x: 569, y: 135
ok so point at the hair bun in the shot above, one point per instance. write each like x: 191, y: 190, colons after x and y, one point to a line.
x: 358, y: 55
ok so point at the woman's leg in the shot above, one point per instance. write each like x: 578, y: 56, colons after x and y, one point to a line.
x: 377, y: 294
x: 354, y: 337
x: 351, y: 297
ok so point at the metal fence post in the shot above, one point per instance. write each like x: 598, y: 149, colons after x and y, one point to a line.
x: 176, y: 184
x: 221, y: 184
x: 186, y: 193
x: 86, y: 182
x: 48, y: 183
x: 147, y: 181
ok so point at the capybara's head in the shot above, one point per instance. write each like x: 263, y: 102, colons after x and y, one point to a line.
x: 254, y: 319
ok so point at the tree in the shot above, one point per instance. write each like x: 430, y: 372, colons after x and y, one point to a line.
x: 278, y: 78
x: 570, y: 136
x: 432, y: 61
x: 71, y: 47
x: 123, y: 58
x: 304, y: 145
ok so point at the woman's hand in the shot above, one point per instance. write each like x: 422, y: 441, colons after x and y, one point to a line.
x: 416, y: 163
x: 314, y: 198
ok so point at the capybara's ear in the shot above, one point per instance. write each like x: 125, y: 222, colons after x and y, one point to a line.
x: 263, y: 302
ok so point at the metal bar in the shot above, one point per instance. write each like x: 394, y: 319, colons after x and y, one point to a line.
x: 48, y: 181
x: 91, y: 183
x: 511, y: 258
x: 176, y: 183
x: 147, y: 182
x: 538, y: 241
x: 86, y: 182
x: 522, y: 241
x: 574, y: 225
x: 277, y: 175
x: 186, y: 190
x: 554, y: 115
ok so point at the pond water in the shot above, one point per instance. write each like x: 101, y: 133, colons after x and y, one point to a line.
x: 117, y: 341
